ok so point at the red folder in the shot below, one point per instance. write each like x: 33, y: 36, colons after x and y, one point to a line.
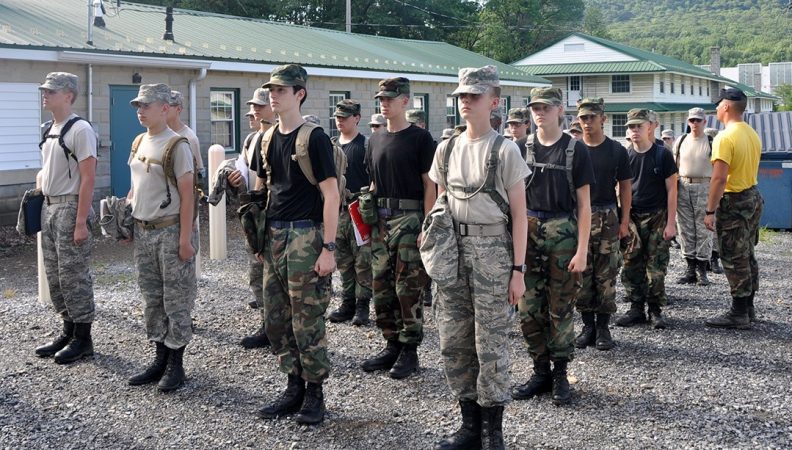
x: 362, y: 229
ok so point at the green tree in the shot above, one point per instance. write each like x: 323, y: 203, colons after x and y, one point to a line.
x: 785, y: 92
x: 594, y: 23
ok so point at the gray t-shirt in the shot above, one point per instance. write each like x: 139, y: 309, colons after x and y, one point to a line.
x: 694, y: 157
x: 148, y: 179
x: 195, y: 146
x: 467, y: 166
x: 81, y: 139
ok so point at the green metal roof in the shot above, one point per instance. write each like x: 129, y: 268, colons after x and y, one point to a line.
x: 593, y: 68
x: 751, y: 92
x: 138, y: 30
x: 657, y: 107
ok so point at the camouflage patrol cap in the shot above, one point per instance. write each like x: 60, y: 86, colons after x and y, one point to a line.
x: 415, y: 115
x: 667, y: 134
x: 637, y: 116
x: 287, y: 75
x: 260, y: 97
x: 447, y: 133
x: 152, y: 93
x: 393, y: 87
x: 61, y: 81
x: 652, y: 116
x: 346, y: 108
x: 521, y: 115
x: 313, y: 118
x: 378, y: 119
x: 176, y: 98
x: 697, y: 113
x: 547, y: 96
x: 575, y: 127
x: 477, y: 80
x: 590, y: 106
x: 249, y: 114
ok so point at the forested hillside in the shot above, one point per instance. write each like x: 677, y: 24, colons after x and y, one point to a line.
x: 746, y: 30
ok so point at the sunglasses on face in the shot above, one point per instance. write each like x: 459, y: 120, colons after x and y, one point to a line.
x: 695, y: 120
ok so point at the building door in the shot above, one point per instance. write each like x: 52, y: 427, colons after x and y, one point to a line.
x: 124, y: 126
x: 573, y: 91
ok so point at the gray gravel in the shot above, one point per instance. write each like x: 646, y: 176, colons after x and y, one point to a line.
x: 687, y: 386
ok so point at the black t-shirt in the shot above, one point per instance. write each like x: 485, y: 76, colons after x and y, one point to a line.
x: 610, y: 166
x: 648, y: 187
x: 356, y: 174
x: 548, y: 189
x: 292, y: 197
x: 396, y: 162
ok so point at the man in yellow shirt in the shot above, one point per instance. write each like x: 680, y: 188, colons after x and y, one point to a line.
x: 734, y: 203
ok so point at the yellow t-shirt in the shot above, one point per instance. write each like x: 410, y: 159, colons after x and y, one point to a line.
x: 739, y: 147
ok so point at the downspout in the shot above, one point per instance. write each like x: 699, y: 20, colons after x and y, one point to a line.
x: 193, y: 99
x: 90, y: 93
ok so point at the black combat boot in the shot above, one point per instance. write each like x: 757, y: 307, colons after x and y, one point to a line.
x: 751, y: 309
x: 656, y: 317
x: 540, y: 382
x: 427, y: 294
x: 604, y: 339
x: 701, y: 270
x: 50, y: 348
x: 344, y: 312
x: 258, y: 339
x: 632, y: 317
x: 313, y: 407
x: 561, y: 393
x: 173, y: 377
x: 736, y: 317
x: 288, y: 402
x: 468, y: 436
x: 361, y: 312
x: 385, y: 359
x: 155, y: 370
x: 715, y: 263
x: 588, y: 335
x: 407, y: 362
x: 492, y: 428
x: 690, y: 273
x: 253, y: 304
x: 80, y: 346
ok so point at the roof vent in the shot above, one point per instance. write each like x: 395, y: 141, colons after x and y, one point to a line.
x: 168, y: 36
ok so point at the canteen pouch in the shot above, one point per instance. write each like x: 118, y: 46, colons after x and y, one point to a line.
x: 439, y: 251
x: 368, y: 208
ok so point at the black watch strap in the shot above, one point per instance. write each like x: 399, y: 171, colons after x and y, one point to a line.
x: 521, y: 268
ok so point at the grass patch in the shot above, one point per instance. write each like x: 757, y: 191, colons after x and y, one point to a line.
x: 9, y: 293
x: 767, y: 235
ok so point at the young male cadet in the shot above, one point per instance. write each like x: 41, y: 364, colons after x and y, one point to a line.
x: 298, y: 254
x: 653, y: 211
x: 264, y: 118
x: 559, y: 224
x: 473, y: 312
x: 399, y: 161
x: 735, y: 205
x: 354, y: 261
x: 67, y: 182
x: 175, y: 124
x: 164, y: 240
x: 596, y: 300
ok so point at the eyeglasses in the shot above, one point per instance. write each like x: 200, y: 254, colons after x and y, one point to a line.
x: 695, y: 120
x: 668, y: 139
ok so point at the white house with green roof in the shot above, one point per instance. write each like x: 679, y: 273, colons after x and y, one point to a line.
x: 215, y: 60
x: 626, y: 77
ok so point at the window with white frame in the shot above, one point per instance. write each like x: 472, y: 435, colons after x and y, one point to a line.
x: 335, y: 97
x: 574, y: 83
x: 377, y: 106
x: 620, y: 84
x: 672, y: 87
x: 573, y: 48
x: 699, y: 90
x: 662, y: 87
x: 619, y: 124
x: 452, y: 113
x: 682, y: 88
x: 223, y: 118
x: 421, y: 102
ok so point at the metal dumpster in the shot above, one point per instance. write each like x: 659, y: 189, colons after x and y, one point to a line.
x: 775, y: 184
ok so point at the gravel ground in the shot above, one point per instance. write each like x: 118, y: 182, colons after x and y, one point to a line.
x: 687, y: 386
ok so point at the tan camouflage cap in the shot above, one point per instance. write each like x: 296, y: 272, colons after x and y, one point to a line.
x: 378, y: 119
x: 287, y: 75
x: 652, y: 116
x: 591, y: 106
x: 637, y: 116
x: 393, y: 87
x: 477, y: 80
x: 548, y: 96
x: 496, y: 114
x: 667, y: 134
x: 696, y: 113
x: 260, y: 97
x: 313, y: 118
x: 415, y: 115
x: 520, y: 115
x: 176, y: 98
x: 249, y: 114
x: 152, y: 93
x: 61, y: 81
x: 447, y: 133
x: 346, y: 108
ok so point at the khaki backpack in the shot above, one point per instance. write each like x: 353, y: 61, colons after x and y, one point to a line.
x: 167, y: 163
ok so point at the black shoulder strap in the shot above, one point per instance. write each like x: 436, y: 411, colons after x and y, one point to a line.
x: 568, y: 167
x: 446, y: 156
x: 492, y: 172
x: 66, y: 127
x: 678, y: 148
x: 658, y: 169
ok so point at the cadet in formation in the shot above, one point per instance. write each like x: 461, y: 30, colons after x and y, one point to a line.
x: 302, y: 219
x: 653, y: 211
x: 68, y: 154
x: 596, y: 301
x: 518, y: 122
x: 353, y: 260
x: 162, y: 198
x: 559, y: 223
x: 734, y: 206
x: 483, y: 176
x: 398, y: 161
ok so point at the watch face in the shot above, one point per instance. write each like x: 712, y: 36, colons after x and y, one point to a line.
x: 331, y: 246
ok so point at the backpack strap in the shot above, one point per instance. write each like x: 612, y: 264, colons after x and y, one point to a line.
x: 569, y: 158
x: 445, y: 156
x: 301, y: 151
x: 265, y: 144
x: 678, y: 148
x: 568, y: 166
x: 61, y: 141
x: 492, y: 172
x: 658, y: 168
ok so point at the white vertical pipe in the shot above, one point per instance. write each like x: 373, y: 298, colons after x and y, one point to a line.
x: 217, y: 214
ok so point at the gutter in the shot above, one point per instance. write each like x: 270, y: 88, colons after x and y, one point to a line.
x: 194, y: 98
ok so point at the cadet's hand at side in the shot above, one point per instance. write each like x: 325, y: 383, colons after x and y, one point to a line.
x: 186, y: 251
x: 80, y: 233
x: 578, y: 263
x: 325, y: 263
x: 516, y: 287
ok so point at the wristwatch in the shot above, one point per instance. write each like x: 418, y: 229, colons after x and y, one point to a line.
x: 521, y: 268
x: 330, y: 246
x: 709, y: 213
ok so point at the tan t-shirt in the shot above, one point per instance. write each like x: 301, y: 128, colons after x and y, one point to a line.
x: 195, y: 146
x: 249, y: 152
x: 148, y: 180
x: 467, y: 166
x: 694, y: 157
x: 81, y: 139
